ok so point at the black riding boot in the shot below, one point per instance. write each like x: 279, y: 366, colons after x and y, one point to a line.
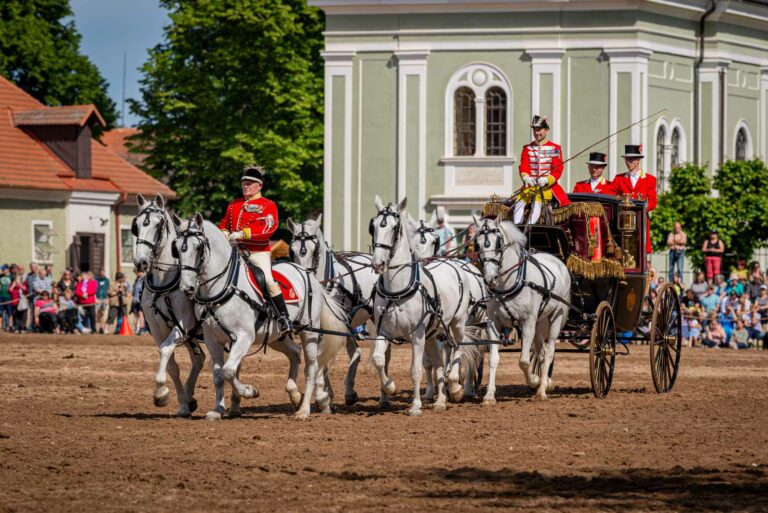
x: 283, y: 321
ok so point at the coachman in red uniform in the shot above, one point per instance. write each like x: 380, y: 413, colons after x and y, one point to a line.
x: 541, y: 164
x: 597, y: 183
x: 250, y: 221
x: 637, y: 183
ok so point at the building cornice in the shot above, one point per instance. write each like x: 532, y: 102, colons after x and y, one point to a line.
x: 46, y: 195
x: 93, y: 198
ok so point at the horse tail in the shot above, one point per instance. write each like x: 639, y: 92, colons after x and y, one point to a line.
x: 331, y: 318
x: 473, y: 355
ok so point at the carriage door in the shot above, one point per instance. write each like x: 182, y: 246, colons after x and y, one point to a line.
x: 87, y: 252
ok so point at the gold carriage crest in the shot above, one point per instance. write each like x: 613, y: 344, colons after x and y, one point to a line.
x: 631, y: 299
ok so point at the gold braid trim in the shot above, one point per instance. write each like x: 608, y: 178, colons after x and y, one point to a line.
x: 581, y: 209
x: 492, y: 209
x: 603, y: 268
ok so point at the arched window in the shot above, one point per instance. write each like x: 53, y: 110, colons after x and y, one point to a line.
x: 495, y: 122
x: 661, y: 172
x: 464, y: 108
x: 674, y: 160
x: 741, y: 144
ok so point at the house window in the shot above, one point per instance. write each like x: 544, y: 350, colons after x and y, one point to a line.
x: 42, y: 242
x: 661, y: 172
x: 464, y: 107
x: 126, y: 246
x: 495, y: 122
x: 741, y: 144
x: 675, y: 144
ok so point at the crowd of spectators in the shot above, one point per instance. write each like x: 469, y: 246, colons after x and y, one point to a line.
x: 79, y: 302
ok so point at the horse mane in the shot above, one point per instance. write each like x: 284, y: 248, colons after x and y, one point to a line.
x: 513, y: 233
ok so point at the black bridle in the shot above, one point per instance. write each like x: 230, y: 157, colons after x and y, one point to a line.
x: 386, y: 212
x: 423, y: 230
x: 163, y: 227
x: 485, y: 231
x: 191, y: 232
x: 303, y: 237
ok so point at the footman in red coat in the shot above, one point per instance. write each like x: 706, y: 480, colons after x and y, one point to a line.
x: 597, y: 183
x: 637, y: 183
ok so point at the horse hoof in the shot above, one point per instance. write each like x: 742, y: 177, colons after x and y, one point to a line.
x: 540, y: 397
x: 390, y: 388
x: 439, y: 406
x: 351, y: 399
x: 234, y: 414
x: 456, y: 393
x: 489, y: 401
x: 213, y: 415
x: 414, y: 412
x: 192, y: 405
x: 301, y: 415
x: 161, y: 397
x: 250, y: 392
x: 550, y: 385
x: 429, y: 393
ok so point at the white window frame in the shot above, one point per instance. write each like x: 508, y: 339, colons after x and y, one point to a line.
x: 666, y: 157
x: 749, y: 153
x: 465, y: 77
x: 133, y: 248
x: 682, y: 150
x: 38, y: 222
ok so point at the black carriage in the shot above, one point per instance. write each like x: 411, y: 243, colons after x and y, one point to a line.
x: 602, y: 240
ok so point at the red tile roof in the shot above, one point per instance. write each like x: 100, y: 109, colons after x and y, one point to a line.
x: 118, y: 141
x: 26, y: 163
x: 65, y: 115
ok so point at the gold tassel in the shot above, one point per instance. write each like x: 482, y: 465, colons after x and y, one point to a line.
x: 492, y: 209
x: 590, y: 270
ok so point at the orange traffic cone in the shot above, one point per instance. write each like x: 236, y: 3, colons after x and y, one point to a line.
x: 125, y: 326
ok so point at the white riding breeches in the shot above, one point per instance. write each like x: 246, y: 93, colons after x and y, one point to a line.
x: 263, y: 260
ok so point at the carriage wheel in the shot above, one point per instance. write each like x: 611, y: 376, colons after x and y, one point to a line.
x: 536, y: 364
x: 602, y: 350
x: 666, y: 339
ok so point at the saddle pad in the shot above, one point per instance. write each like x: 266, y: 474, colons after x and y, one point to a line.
x: 290, y: 294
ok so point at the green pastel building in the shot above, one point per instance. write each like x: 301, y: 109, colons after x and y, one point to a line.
x: 432, y: 99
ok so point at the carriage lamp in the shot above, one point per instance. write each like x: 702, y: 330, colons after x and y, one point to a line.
x: 628, y: 228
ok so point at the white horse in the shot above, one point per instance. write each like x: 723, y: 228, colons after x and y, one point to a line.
x: 527, y: 291
x: 411, y: 303
x: 169, y: 313
x: 461, y: 362
x: 350, y: 279
x: 216, y: 275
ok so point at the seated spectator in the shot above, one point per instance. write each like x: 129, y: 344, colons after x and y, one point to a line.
x: 714, y: 335
x: 45, y: 313
x: 653, y: 278
x: 711, y: 301
x: 756, y: 280
x: 65, y: 283
x: 677, y: 282
x: 730, y: 300
x: 694, y: 332
x: 740, y: 271
x: 754, y: 323
x: 762, y: 306
x: 720, y: 285
x: 67, y: 315
x: 744, y: 304
x: 727, y: 321
x: 735, y: 285
x: 740, y: 336
x: 699, y: 286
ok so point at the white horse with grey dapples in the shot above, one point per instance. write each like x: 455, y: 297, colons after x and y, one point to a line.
x: 411, y: 303
x: 461, y: 362
x: 236, y: 314
x: 350, y: 279
x: 528, y: 291
x: 168, y: 312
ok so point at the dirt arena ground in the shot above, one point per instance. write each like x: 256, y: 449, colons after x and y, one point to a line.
x: 78, y: 432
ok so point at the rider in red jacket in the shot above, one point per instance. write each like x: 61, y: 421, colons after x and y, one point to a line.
x: 637, y: 183
x: 249, y: 222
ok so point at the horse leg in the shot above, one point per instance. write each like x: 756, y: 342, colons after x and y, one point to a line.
x: 493, y: 362
x: 217, y: 357
x: 527, y: 330
x: 293, y: 352
x: 455, y: 387
x: 239, y: 348
x: 354, y: 352
x: 181, y: 392
x: 234, y: 400
x: 384, y: 398
x: 166, y: 348
x: 432, y: 353
x: 546, y: 356
x: 417, y: 345
x: 380, y: 359
x: 197, y: 357
x: 309, y: 344
x: 429, y: 392
x: 324, y: 392
x: 532, y: 378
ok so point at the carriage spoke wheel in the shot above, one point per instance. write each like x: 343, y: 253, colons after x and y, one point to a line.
x: 602, y: 350
x: 666, y: 339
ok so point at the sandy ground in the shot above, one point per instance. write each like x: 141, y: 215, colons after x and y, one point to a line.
x: 79, y: 432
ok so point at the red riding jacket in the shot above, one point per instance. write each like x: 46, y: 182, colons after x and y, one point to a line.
x: 544, y: 160
x: 603, y: 187
x: 256, y: 218
x: 644, y: 189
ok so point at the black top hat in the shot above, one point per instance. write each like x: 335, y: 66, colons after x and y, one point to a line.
x: 597, y: 159
x: 634, y: 151
x: 253, y: 173
x: 539, y: 122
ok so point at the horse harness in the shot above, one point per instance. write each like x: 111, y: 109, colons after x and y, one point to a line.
x: 146, y: 212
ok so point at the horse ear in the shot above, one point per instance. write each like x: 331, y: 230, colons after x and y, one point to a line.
x: 401, y: 206
x: 475, y: 220
x: 319, y: 221
x: 140, y: 200
x: 159, y: 201
x: 176, y: 219
x: 377, y: 202
x: 199, y: 219
x: 291, y: 225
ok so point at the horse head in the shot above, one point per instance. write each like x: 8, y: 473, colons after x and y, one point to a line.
x: 424, y: 240
x: 306, y: 242
x: 191, y: 248
x: 492, y: 239
x: 386, y: 229
x: 150, y: 227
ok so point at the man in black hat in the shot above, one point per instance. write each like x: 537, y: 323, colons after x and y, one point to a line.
x: 249, y: 222
x: 637, y: 183
x: 597, y: 183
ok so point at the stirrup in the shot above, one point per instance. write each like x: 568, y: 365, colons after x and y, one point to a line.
x: 284, y: 325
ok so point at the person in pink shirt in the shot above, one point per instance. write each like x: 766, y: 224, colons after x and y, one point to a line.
x: 85, y: 291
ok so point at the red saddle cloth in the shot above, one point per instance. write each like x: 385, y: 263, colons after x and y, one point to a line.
x: 290, y: 294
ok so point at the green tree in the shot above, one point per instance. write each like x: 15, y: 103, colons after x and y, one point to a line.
x: 236, y: 82
x: 739, y: 213
x: 40, y: 52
